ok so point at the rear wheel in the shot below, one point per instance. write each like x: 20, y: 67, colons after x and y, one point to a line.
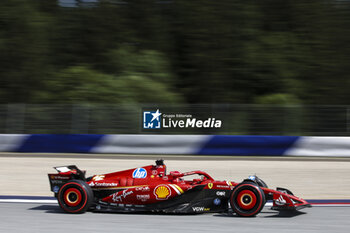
x: 75, y: 197
x: 247, y: 199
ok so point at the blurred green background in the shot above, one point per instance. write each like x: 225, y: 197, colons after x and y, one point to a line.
x: 289, y: 54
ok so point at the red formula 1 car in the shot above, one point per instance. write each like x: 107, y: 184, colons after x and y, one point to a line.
x: 151, y: 189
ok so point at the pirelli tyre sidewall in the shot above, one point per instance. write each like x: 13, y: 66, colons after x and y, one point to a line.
x: 247, y: 199
x: 75, y: 197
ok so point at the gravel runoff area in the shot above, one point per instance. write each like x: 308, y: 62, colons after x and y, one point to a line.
x: 309, y: 178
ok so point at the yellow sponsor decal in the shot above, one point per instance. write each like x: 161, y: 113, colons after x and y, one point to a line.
x: 162, y: 192
x: 98, y: 177
x: 210, y: 185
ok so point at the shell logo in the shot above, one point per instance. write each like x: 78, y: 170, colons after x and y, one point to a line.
x: 162, y: 192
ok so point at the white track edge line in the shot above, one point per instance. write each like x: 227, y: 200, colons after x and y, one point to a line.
x: 28, y: 201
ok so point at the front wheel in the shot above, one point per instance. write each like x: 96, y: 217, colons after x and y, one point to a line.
x: 247, y: 199
x: 75, y: 197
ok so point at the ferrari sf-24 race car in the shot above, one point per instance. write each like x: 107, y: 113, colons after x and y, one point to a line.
x: 151, y: 189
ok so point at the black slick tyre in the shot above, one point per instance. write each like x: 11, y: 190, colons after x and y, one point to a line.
x: 75, y: 197
x: 247, y: 199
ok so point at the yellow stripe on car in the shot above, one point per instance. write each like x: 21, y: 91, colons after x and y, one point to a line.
x: 180, y: 189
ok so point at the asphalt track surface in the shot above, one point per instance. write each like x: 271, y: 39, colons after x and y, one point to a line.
x: 26, y: 174
x: 44, y: 218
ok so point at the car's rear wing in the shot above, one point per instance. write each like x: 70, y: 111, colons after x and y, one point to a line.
x: 65, y: 173
x: 73, y: 170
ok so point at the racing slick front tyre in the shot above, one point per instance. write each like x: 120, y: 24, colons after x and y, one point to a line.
x: 247, y: 199
x: 75, y: 197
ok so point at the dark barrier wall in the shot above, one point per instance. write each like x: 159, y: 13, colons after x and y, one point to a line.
x: 177, y: 144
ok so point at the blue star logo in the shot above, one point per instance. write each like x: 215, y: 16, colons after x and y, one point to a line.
x: 151, y: 120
